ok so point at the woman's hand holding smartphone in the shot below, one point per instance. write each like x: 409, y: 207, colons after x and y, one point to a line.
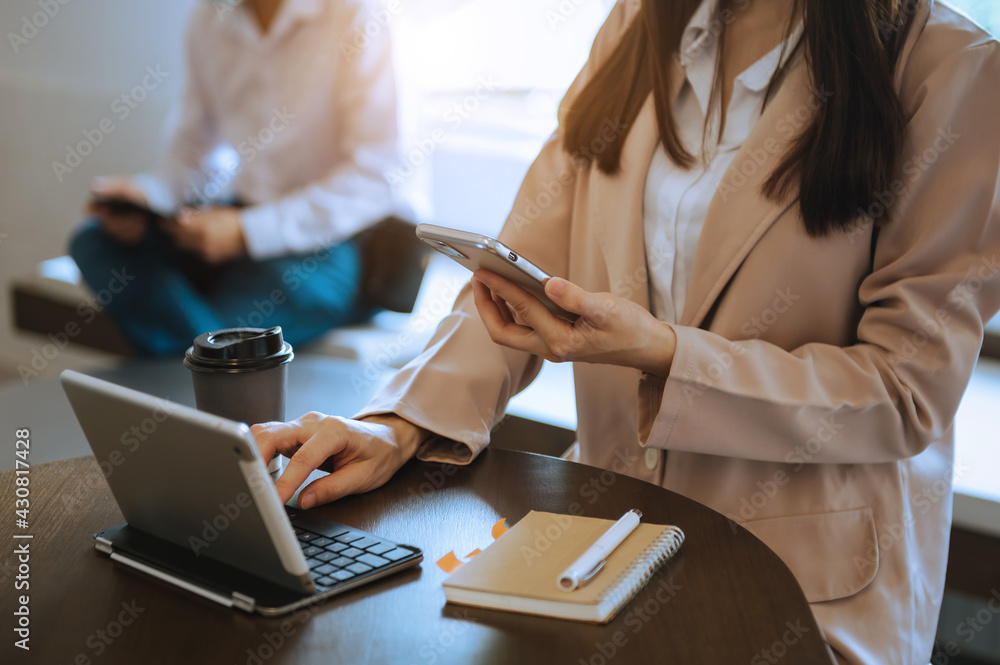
x: 479, y: 252
x: 552, y: 317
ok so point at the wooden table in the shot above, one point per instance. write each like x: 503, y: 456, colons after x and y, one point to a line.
x: 725, y: 598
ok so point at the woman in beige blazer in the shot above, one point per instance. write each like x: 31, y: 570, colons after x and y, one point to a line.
x: 809, y: 387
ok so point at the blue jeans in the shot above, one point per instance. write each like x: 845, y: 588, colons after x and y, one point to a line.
x: 162, y: 297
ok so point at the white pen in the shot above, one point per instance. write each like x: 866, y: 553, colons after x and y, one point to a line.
x: 591, y: 561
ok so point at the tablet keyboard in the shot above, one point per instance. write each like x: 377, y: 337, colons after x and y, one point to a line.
x: 337, y: 553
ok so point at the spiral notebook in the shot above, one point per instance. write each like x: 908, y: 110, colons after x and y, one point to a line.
x: 518, y: 572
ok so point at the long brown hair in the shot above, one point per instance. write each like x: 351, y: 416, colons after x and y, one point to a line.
x: 846, y: 155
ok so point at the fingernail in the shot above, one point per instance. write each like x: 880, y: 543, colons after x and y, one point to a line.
x: 307, y: 501
x: 556, y: 286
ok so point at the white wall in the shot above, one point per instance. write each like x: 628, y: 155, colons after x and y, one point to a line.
x: 59, y: 84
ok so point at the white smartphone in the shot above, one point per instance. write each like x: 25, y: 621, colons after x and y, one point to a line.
x: 476, y: 251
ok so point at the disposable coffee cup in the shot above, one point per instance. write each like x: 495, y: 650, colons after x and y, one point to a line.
x: 241, y: 374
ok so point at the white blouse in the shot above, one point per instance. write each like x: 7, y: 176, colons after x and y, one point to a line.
x: 676, y: 200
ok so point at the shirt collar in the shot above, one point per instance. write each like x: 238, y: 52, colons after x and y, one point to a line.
x: 758, y: 75
x: 290, y: 13
x: 699, y: 45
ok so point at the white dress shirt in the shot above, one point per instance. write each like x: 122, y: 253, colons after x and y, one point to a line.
x: 676, y: 199
x: 309, y: 107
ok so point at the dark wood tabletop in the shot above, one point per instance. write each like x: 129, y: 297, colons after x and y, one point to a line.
x: 724, y: 598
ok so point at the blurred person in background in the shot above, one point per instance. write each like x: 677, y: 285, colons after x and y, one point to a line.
x: 306, y: 99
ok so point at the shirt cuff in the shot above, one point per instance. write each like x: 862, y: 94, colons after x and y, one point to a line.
x: 447, y: 451
x: 262, y: 232
x: 437, y: 447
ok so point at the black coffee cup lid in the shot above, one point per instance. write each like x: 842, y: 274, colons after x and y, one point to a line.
x: 238, y: 350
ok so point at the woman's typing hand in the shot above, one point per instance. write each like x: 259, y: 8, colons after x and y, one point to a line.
x: 359, y: 454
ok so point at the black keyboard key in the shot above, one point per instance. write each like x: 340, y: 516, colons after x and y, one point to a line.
x: 359, y: 568
x: 341, y: 562
x: 372, y: 560
x: 326, y: 581
x: 397, y: 554
x: 380, y: 548
x: 342, y: 575
x: 351, y: 552
x: 326, y: 556
x: 321, y: 542
x: 312, y: 563
x: 336, y: 547
x: 325, y: 569
x: 312, y: 550
x: 306, y: 536
x: 365, y: 543
x: 349, y: 537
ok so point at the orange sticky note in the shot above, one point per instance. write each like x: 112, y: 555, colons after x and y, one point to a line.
x: 500, y: 528
x: 449, y: 563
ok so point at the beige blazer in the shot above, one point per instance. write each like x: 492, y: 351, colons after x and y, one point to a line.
x: 813, y: 390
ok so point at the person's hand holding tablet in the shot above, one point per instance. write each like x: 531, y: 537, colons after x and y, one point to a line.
x: 120, y: 207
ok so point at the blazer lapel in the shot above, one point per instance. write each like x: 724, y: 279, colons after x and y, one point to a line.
x: 738, y: 214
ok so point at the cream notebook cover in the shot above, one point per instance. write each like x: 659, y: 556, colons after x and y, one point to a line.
x: 519, y: 571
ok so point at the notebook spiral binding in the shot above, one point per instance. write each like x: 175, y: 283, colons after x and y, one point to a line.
x: 636, y: 575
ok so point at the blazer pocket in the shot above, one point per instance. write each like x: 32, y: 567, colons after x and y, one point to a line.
x: 832, y: 555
